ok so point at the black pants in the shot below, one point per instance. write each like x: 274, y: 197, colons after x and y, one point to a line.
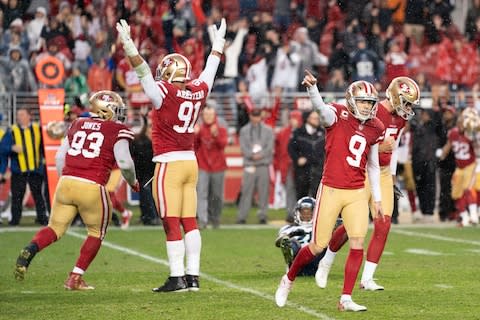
x: 424, y: 173
x: 148, y: 212
x: 446, y: 203
x: 307, y: 180
x: 18, y: 187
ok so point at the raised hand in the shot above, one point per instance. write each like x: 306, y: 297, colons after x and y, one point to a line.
x: 309, y: 80
x: 124, y: 33
x: 219, y: 36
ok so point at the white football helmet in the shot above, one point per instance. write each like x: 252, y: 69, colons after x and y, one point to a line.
x: 303, y: 214
x: 174, y: 68
x: 108, y: 105
x: 403, y: 94
x: 365, y: 91
x: 470, y: 122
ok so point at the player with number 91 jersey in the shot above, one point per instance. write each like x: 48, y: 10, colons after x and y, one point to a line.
x: 91, y: 155
x: 351, y: 139
x: 179, y: 111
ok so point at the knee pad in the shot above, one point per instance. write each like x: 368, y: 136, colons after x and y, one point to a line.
x: 189, y: 224
x: 171, y: 225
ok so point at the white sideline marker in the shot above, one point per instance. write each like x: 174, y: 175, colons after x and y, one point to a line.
x: 207, y: 277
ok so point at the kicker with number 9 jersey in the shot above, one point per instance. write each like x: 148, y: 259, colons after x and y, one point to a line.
x: 351, y: 139
x: 179, y: 111
x: 393, y: 126
x: 91, y: 155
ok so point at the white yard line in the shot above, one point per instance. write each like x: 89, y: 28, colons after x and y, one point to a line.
x: 424, y: 252
x: 207, y: 277
x: 435, y: 237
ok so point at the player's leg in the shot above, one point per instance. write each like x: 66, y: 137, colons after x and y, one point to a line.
x: 94, y: 206
x: 192, y: 238
x: 355, y: 219
x: 60, y: 218
x: 325, y: 213
x: 470, y: 195
x: 167, y: 189
x: 112, y: 186
x: 458, y: 195
x: 380, y: 232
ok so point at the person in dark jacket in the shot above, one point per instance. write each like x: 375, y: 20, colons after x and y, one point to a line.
x: 142, y: 153
x: 306, y: 148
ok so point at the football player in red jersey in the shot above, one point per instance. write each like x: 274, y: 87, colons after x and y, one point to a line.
x: 353, y: 133
x: 460, y: 140
x: 402, y: 95
x: 177, y: 101
x: 84, y: 161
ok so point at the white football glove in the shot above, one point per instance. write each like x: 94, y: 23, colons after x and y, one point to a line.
x: 219, y: 36
x: 124, y: 32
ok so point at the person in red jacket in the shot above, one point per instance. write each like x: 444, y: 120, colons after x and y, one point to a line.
x: 210, y: 141
x: 282, y: 162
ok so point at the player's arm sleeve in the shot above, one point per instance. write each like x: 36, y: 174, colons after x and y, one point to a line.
x: 373, y: 170
x: 150, y: 87
x: 208, y: 74
x: 60, y: 155
x: 327, y: 115
x: 124, y: 160
x: 394, y: 158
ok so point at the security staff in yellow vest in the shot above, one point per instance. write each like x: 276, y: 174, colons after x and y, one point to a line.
x: 23, y: 144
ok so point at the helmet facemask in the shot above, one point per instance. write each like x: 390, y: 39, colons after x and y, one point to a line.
x: 303, y: 214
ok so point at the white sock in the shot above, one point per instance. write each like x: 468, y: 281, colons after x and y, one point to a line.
x: 368, y: 270
x: 193, y: 247
x: 176, y: 254
x: 465, y: 218
x: 79, y: 271
x: 472, y: 208
x: 346, y: 297
x: 125, y: 213
x: 329, y: 256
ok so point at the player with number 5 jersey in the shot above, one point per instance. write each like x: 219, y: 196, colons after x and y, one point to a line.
x: 351, y: 147
x: 403, y: 95
x: 177, y: 101
x: 84, y: 160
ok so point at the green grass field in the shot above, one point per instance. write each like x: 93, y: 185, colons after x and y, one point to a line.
x: 428, y: 273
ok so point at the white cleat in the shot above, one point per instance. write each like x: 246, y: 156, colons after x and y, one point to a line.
x: 321, y: 276
x: 283, y: 290
x: 349, y: 305
x: 370, y: 285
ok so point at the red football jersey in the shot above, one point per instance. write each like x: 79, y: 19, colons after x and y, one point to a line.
x: 172, y: 124
x: 90, y: 155
x: 462, y: 148
x: 347, y: 144
x: 393, y: 125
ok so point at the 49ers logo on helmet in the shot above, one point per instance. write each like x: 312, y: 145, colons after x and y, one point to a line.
x: 167, y: 62
x: 106, y: 97
x: 404, y: 87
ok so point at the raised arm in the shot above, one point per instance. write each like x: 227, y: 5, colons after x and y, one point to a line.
x: 327, y: 115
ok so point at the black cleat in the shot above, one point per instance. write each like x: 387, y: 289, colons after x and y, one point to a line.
x: 23, y: 261
x: 192, y: 282
x: 286, y: 247
x: 173, y: 284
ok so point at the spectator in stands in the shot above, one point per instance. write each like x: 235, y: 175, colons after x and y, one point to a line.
x: 57, y: 32
x: 471, y: 26
x: 339, y: 59
x: 228, y: 73
x: 415, y: 20
x: 336, y: 82
x: 365, y: 63
x: 282, y: 163
x: 53, y: 50
x: 15, y: 35
x: 127, y: 80
x: 309, y: 54
x: 306, y: 148
x: 282, y: 13
x: 285, y: 73
x: 211, y: 138
x: 350, y: 36
x: 13, y: 9
x: 76, y: 86
x: 16, y: 75
x: 34, y: 28
x: 395, y: 62
x: 443, y: 8
x: 99, y: 76
x: 256, y: 143
x: 257, y: 79
x: 26, y: 165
